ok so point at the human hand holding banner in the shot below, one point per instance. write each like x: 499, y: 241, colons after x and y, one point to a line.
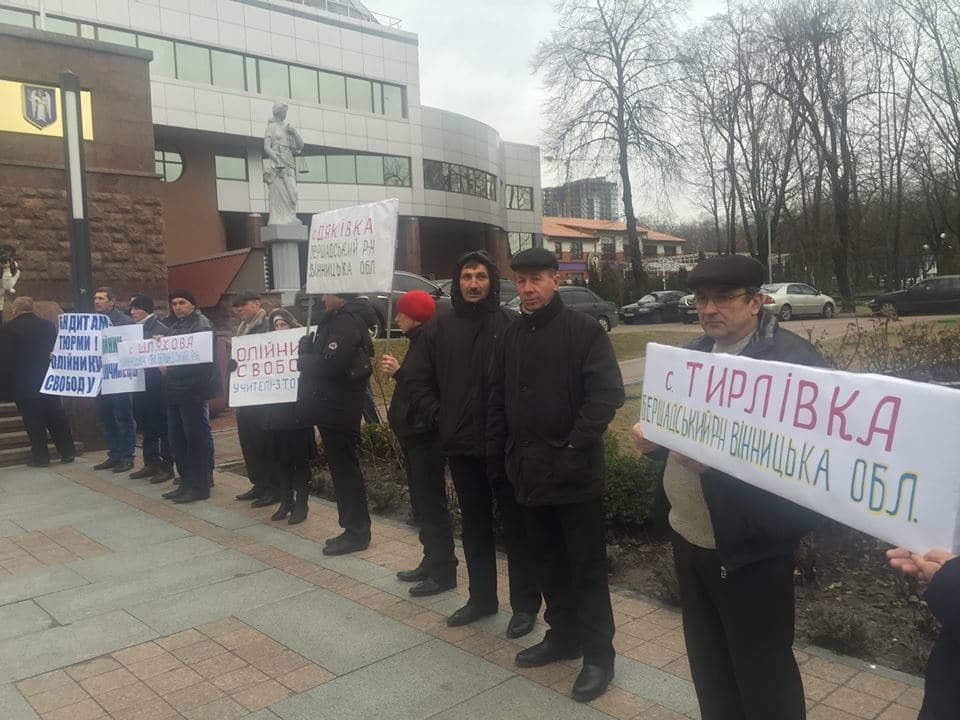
x: 877, y: 453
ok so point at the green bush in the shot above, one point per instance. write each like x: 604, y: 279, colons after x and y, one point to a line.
x: 631, y: 488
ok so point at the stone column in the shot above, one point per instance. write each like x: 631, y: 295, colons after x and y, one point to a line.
x: 254, y: 225
x: 283, y: 243
x: 410, y: 259
x: 497, y: 248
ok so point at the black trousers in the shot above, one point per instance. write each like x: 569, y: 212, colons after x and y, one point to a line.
x: 476, y: 498
x: 570, y: 546
x: 428, y: 498
x: 739, y: 635
x: 42, y: 413
x: 340, y: 448
x: 257, y: 453
x: 150, y: 411
x: 290, y: 463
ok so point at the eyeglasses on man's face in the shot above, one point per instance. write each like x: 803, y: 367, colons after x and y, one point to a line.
x: 719, y: 299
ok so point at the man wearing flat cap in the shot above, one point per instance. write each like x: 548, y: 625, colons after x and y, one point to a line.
x: 734, y: 543
x: 149, y: 406
x: 254, y: 440
x: 554, y: 386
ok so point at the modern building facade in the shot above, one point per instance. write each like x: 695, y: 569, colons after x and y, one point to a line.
x: 352, y: 83
x: 590, y: 198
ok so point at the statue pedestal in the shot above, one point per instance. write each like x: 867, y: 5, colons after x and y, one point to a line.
x: 284, y: 243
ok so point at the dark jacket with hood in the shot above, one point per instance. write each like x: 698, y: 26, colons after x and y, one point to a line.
x: 450, y: 384
x: 750, y: 524
x: 408, y: 424
x: 554, y: 386
x: 941, y: 699
x: 326, y: 396
x: 185, y: 384
x: 119, y: 318
x: 25, y: 346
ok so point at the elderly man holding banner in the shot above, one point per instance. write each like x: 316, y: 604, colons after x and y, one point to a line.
x: 733, y: 542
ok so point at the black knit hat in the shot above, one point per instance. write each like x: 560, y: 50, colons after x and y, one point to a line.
x: 734, y: 271
x: 144, y: 302
x: 185, y: 294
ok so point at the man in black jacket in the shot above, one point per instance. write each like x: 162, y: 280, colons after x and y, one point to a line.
x: 334, y: 368
x: 149, y: 406
x: 187, y: 389
x: 423, y: 458
x: 555, y: 385
x: 733, y: 543
x: 450, y: 387
x: 254, y: 440
x: 115, y: 411
x: 27, y: 341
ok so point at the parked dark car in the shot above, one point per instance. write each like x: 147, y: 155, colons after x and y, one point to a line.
x: 928, y: 297
x: 508, y: 289
x: 687, y: 310
x: 403, y: 282
x: 655, y: 307
x: 583, y: 300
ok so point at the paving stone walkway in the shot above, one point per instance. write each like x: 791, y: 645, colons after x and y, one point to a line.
x: 117, y: 604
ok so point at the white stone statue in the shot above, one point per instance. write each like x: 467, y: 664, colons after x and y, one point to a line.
x: 281, y: 145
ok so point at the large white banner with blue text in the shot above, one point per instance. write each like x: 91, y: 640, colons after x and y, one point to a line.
x: 115, y: 379
x: 76, y: 362
x: 877, y: 453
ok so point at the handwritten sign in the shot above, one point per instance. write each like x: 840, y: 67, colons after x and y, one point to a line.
x: 76, y: 364
x: 353, y: 249
x: 267, y: 369
x: 189, y: 349
x: 879, y: 454
x: 115, y: 379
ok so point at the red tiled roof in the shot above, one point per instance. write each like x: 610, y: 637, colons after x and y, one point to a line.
x: 587, y: 228
x: 207, y: 278
x: 553, y: 228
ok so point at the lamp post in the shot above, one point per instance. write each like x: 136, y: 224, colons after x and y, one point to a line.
x: 79, y: 225
x: 769, y: 247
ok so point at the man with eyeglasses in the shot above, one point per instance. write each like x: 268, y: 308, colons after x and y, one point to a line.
x: 733, y: 543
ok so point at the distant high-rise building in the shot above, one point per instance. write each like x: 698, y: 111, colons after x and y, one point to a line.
x: 594, y: 198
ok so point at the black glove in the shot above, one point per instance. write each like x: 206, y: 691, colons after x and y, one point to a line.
x: 232, y: 365
x: 306, y: 345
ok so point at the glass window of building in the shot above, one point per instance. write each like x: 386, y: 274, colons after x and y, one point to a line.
x: 168, y: 165
x: 163, y: 63
x: 274, y: 79
x: 227, y: 70
x: 252, y: 81
x: 231, y: 167
x: 558, y: 249
x: 303, y: 84
x: 519, y: 197
x: 519, y: 241
x: 576, y: 250
x: 312, y: 168
x: 16, y: 17
x: 393, y: 101
x: 378, y: 98
x: 64, y: 27
x: 342, y: 169
x: 193, y: 63
x: 459, y: 179
x: 333, y: 89
x: 370, y: 169
x: 359, y: 95
x: 433, y: 175
x: 88, y: 31
x: 670, y: 250
x: 119, y: 37
x: 396, y: 171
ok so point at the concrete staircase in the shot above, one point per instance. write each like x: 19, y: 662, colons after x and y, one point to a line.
x: 14, y: 444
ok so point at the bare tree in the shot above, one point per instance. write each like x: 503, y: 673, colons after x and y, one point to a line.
x: 609, y: 67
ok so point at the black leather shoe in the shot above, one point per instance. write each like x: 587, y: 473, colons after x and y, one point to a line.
x: 251, y: 494
x: 345, y: 545
x: 67, y: 459
x: 189, y: 497
x: 175, y: 493
x: 520, y: 624
x: 544, y: 653
x: 143, y: 473
x: 164, y: 474
x: 106, y: 464
x: 468, y: 614
x: 338, y: 538
x: 267, y: 499
x: 431, y: 586
x: 418, y: 574
x: 299, y: 513
x: 591, y: 683
x: 123, y: 466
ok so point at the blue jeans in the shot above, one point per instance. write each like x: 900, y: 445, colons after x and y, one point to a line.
x: 115, y: 418
x: 188, y: 427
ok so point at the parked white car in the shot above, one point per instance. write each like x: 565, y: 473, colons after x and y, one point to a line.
x: 790, y: 300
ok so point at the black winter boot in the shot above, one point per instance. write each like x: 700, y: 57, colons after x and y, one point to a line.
x: 301, y: 484
x: 286, y: 505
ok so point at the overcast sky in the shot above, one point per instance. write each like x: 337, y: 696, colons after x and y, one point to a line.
x: 475, y: 59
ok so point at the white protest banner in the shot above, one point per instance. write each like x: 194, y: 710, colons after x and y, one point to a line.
x: 879, y: 454
x: 116, y: 380
x: 76, y: 366
x: 174, y: 350
x: 352, y: 249
x: 267, y: 369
